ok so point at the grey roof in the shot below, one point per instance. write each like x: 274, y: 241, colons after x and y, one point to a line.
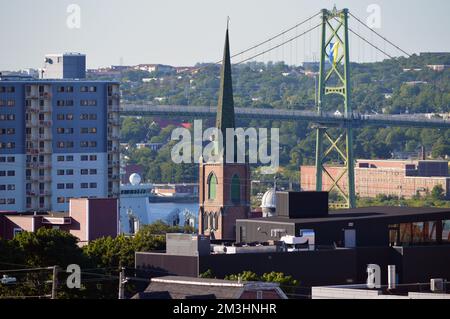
x: 180, y: 287
x: 363, y: 213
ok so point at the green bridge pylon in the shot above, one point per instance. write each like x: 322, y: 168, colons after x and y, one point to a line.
x: 334, y: 78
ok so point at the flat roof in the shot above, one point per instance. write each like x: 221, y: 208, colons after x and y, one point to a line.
x: 363, y: 213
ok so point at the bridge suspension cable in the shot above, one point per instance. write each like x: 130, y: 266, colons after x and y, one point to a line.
x: 370, y: 43
x: 274, y: 37
x: 281, y: 44
x: 378, y: 34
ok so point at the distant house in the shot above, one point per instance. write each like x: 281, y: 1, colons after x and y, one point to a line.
x: 154, y: 68
x: 438, y: 67
x: 178, y: 287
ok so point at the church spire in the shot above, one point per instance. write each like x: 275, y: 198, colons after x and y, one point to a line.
x: 225, y: 105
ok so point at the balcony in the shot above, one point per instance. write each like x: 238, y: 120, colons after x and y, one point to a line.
x: 45, y: 123
x: 114, y: 122
x: 114, y: 108
x: 45, y: 137
x: 31, y: 151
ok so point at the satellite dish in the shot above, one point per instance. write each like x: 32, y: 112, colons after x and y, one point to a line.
x: 135, y: 179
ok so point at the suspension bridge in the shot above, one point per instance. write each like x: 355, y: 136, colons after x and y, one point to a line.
x: 333, y: 79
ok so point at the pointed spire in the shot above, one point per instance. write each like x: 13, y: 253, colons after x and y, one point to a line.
x: 225, y: 105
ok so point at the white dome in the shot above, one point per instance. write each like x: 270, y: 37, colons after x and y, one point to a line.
x: 135, y: 179
x: 268, y: 203
x: 268, y: 199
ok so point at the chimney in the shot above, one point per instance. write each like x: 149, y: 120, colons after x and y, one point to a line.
x: 422, y: 153
x: 391, y: 277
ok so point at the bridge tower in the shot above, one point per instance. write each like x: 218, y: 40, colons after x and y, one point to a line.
x: 334, y: 79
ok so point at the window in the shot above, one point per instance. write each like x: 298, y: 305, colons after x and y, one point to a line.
x: 92, y: 185
x: 69, y: 89
x: 69, y: 172
x: 11, y: 131
x: 69, y: 102
x: 11, y: 173
x: 69, y: 186
x: 84, y: 157
x: 60, y: 186
x: 2, y: 187
x: 84, y: 185
x: 11, y: 201
x: 60, y: 158
x: 84, y: 130
x: 2, y: 173
x: 60, y: 130
x: 60, y: 200
x: 93, y: 171
x: 92, y: 89
x: 17, y: 231
x: 69, y: 117
x: 60, y: 89
x: 84, y: 144
x: 10, y: 89
x: 84, y: 171
x: 11, y: 103
x: 212, y: 185
x: 93, y: 144
x: 69, y: 158
x: 92, y: 116
x: 11, y: 159
x: 60, y: 117
x: 93, y: 157
x: 11, y: 187
x: 60, y: 172
x: 235, y: 189
x: 60, y: 103
x: 83, y: 89
x: 84, y: 116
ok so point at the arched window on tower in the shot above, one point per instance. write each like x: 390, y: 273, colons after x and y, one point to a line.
x: 235, y: 189
x: 205, y: 221
x: 211, y: 221
x: 212, y: 186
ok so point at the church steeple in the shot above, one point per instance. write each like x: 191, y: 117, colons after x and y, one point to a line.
x: 225, y: 105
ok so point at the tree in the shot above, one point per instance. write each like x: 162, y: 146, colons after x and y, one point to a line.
x: 437, y: 192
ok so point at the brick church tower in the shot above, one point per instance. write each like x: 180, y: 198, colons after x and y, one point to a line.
x: 224, y: 190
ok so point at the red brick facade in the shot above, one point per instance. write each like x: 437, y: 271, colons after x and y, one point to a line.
x: 217, y: 217
x: 388, y: 177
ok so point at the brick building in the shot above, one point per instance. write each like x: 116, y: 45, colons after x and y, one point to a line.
x: 402, y: 178
x: 87, y: 219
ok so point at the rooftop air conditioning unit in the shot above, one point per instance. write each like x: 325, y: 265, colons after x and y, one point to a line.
x: 437, y: 285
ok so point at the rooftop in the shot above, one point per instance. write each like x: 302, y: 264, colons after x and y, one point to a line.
x: 180, y: 287
x: 365, y: 213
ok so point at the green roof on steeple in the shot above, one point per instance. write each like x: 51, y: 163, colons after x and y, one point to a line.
x: 225, y: 105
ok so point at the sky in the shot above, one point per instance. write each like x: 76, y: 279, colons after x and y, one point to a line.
x: 184, y: 32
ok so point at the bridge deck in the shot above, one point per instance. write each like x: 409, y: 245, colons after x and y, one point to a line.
x: 328, y: 118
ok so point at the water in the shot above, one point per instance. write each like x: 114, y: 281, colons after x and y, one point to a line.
x: 162, y: 210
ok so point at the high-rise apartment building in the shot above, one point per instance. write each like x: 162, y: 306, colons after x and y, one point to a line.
x: 59, y: 139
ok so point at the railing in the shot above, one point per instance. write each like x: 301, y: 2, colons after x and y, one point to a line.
x: 313, y: 116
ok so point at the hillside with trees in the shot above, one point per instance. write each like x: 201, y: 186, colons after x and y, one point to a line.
x: 395, y: 86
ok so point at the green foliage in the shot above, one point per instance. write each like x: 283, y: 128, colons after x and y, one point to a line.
x: 437, y: 193
x: 287, y: 283
x: 104, y: 257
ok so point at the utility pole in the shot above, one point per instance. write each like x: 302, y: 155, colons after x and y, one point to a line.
x: 122, y: 282
x: 54, y: 282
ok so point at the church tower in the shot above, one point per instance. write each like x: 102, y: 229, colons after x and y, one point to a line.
x: 224, y: 190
